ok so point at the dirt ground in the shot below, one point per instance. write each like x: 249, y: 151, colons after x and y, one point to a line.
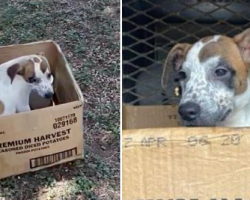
x: 88, y: 33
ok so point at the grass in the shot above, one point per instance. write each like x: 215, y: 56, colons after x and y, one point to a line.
x: 88, y: 33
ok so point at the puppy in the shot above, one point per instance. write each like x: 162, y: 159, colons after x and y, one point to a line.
x: 215, y: 81
x: 18, y: 77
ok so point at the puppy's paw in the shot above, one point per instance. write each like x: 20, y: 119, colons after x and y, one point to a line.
x: 23, y: 109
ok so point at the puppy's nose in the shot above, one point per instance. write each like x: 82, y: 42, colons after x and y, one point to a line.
x: 189, y: 111
x: 48, y: 95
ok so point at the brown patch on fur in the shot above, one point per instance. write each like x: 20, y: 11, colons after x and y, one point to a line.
x: 174, y: 60
x: 27, y: 70
x: 206, y: 39
x: 243, y: 42
x: 12, y: 71
x: 227, y: 49
x: 177, y: 55
x: 36, y: 60
x: 44, y: 65
x: 1, y: 107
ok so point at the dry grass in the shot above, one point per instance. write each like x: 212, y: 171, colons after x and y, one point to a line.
x: 88, y: 33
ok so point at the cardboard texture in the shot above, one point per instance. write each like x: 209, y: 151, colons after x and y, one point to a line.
x: 182, y: 163
x: 43, y: 137
x: 135, y: 117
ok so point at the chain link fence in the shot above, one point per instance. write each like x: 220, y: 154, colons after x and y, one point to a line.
x: 152, y: 27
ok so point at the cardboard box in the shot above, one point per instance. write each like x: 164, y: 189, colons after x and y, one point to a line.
x: 48, y: 136
x: 161, y: 161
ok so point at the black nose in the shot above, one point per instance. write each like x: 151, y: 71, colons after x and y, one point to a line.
x: 189, y: 111
x: 48, y: 95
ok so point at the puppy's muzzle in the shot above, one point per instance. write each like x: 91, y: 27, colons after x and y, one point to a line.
x: 189, y: 111
x: 48, y: 95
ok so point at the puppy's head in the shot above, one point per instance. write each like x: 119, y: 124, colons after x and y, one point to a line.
x: 212, y: 73
x: 35, y: 72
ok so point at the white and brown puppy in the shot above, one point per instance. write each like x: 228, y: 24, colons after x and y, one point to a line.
x: 18, y: 77
x: 215, y: 80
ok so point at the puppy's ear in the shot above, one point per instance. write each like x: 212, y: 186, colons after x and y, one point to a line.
x: 41, y: 54
x: 26, y: 70
x: 243, y: 42
x: 12, y: 71
x: 174, y: 61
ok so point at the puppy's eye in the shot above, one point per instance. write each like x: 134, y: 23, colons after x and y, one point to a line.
x: 32, y: 79
x: 182, y: 75
x: 49, y: 75
x: 220, y: 72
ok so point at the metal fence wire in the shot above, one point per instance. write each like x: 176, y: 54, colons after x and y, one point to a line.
x: 152, y: 27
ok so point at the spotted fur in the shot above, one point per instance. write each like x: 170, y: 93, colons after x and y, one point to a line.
x: 220, y: 99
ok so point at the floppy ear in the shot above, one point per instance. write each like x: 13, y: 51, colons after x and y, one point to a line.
x: 25, y: 69
x: 243, y: 42
x: 174, y: 61
x: 12, y: 71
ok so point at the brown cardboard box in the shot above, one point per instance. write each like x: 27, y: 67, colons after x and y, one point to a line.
x: 47, y: 136
x: 181, y: 163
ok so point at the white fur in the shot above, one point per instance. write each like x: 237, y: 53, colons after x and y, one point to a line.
x: 192, y: 59
x: 15, y: 95
x: 240, y: 117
